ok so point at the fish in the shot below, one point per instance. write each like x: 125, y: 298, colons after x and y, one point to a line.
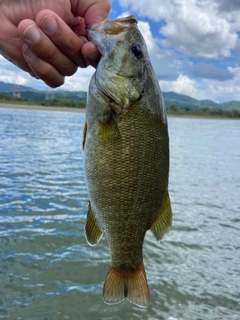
x: 126, y: 157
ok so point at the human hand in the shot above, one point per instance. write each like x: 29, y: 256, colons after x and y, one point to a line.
x: 47, y: 38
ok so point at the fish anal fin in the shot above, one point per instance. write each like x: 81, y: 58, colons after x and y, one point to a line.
x: 93, y: 230
x: 126, y: 285
x: 84, y: 134
x: 163, y: 221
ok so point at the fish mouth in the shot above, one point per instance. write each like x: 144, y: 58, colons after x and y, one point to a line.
x: 114, y: 28
x: 114, y: 105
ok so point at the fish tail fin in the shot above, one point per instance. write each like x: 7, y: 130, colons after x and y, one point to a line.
x: 126, y: 285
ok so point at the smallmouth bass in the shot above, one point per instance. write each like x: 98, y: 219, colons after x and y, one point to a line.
x: 126, y: 157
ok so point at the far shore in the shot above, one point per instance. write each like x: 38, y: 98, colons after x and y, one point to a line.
x: 38, y: 107
x: 80, y: 110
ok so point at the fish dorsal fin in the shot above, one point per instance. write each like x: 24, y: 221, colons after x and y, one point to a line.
x: 163, y: 221
x: 84, y: 134
x: 93, y: 231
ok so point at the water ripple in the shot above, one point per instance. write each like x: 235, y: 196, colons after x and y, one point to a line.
x: 47, y: 269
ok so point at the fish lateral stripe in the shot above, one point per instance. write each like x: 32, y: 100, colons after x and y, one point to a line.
x: 121, y: 285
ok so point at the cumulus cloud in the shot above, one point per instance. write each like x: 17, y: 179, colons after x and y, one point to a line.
x: 182, y: 85
x: 196, y: 33
x: 224, y: 91
x: 11, y: 74
x: 228, y: 6
x: 151, y: 43
x: 192, y: 27
x: 209, y: 89
x: 79, y: 81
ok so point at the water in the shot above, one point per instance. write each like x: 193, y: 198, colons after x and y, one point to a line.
x: 48, y: 271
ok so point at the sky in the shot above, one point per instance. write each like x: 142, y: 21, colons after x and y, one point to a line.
x: 194, y: 46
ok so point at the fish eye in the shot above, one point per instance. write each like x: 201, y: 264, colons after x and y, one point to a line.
x: 136, y: 49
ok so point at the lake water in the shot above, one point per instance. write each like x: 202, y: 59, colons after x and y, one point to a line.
x: 48, y: 271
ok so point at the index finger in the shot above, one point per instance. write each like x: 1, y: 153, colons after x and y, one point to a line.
x: 62, y: 35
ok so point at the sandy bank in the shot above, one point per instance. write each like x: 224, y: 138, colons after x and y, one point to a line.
x: 36, y: 107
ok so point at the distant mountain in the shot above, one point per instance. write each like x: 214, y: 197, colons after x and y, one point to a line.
x: 171, y: 98
x: 181, y: 100
x: 40, y: 95
x: 209, y: 104
x: 8, y: 87
x: 178, y: 97
x: 186, y: 102
x: 230, y: 105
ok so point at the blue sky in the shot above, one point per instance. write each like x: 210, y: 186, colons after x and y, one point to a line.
x: 194, y: 46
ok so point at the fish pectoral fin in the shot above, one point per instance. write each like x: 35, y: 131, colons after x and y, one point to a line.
x: 93, y: 231
x: 84, y: 134
x: 126, y: 285
x: 163, y: 221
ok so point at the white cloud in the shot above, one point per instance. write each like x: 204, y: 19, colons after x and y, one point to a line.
x: 79, y: 81
x: 192, y: 27
x: 224, y: 91
x: 206, y: 88
x: 198, y: 33
x: 182, y: 85
x: 11, y: 74
x: 151, y: 43
x: 154, y: 10
x: 124, y: 14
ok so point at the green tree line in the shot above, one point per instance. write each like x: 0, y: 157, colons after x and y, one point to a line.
x: 171, y: 110
x: 10, y: 99
x: 64, y: 103
x: 53, y: 102
x: 203, y: 112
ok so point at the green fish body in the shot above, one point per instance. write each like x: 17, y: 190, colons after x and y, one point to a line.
x: 126, y: 157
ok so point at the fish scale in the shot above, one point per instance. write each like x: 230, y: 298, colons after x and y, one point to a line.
x: 126, y: 160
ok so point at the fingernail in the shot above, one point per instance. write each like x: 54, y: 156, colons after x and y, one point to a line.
x: 82, y: 38
x: 28, y: 53
x: 75, y: 21
x: 32, y: 33
x: 93, y: 55
x: 49, y: 24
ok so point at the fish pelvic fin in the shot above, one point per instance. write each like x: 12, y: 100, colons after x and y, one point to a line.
x: 163, y: 221
x: 93, y: 230
x: 121, y: 285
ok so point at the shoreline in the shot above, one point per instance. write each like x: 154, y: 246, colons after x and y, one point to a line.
x: 39, y: 108
x: 79, y: 110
